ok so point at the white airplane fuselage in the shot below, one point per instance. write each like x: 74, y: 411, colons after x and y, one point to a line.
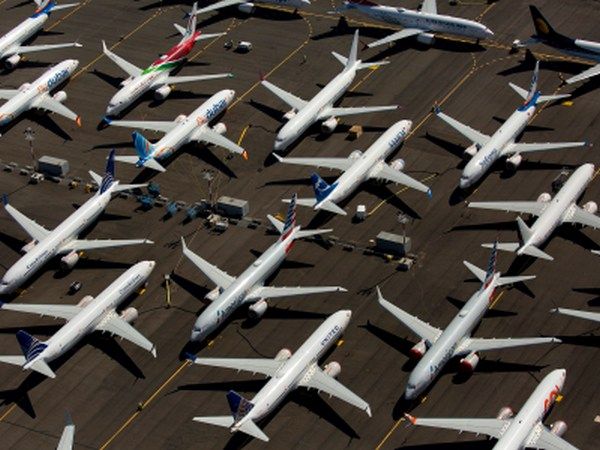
x: 289, y: 375
x: 95, y: 311
x: 442, y: 350
x: 22, y: 32
x: 29, y: 93
x: 134, y: 88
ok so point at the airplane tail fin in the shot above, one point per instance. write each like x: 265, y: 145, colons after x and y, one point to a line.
x: 491, y: 268
x: 353, y: 56
x: 109, y: 175
x: 321, y: 188
x: 143, y: 147
x: 543, y: 29
x: 30, y: 346
x: 534, y: 82
x: 239, y: 406
x: 190, y: 29
x: 290, y: 219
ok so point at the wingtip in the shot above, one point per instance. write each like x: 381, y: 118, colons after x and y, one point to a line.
x: 78, y: 121
x: 245, y: 155
x: 183, y: 244
x: 107, y: 120
x: 436, y: 109
x: 190, y: 357
x: 5, y: 201
x: 277, y: 157
x: 411, y: 419
x: 368, y: 411
x: 429, y: 193
x: 153, y: 351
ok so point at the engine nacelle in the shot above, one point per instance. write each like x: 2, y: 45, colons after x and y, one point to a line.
x: 257, y: 310
x: 180, y: 118
x: 290, y: 114
x: 162, y: 92
x: 246, y: 8
x: 418, y: 350
x: 85, y: 301
x: 426, y: 38
x: 29, y: 246
x: 24, y: 86
x: 220, y: 128
x: 60, y: 96
x: 469, y: 362
x: 470, y: 151
x: 283, y: 355
x: 558, y: 428
x: 355, y: 154
x: 544, y: 197
x: 513, y: 162
x: 591, y: 207
x: 398, y: 165
x: 126, y: 81
x: 67, y: 262
x: 329, y: 125
x: 332, y: 369
x: 130, y: 314
x: 11, y: 62
x: 214, y: 294
x: 505, y: 412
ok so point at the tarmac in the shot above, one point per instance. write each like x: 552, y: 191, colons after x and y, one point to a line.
x: 122, y: 398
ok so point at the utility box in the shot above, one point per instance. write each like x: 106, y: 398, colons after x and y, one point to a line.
x: 233, y: 207
x: 392, y: 243
x: 54, y: 167
x: 361, y: 212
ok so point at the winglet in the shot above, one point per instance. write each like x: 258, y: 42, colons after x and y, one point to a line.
x: 411, y: 419
x: 78, y: 121
x: 429, y: 193
x: 245, y: 155
x: 436, y: 109
x: 4, y: 199
x: 189, y: 356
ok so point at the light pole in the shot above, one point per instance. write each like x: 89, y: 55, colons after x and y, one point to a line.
x: 30, y: 137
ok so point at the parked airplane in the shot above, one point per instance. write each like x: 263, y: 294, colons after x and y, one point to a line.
x: 580, y: 48
x: 68, y: 435
x: 526, y: 429
x: 421, y: 24
x: 287, y: 372
x: 37, y: 94
x: 249, y: 287
x: 486, y: 150
x: 157, y: 77
x: 551, y: 213
x: 249, y: 7
x: 320, y: 108
x: 63, y: 240
x: 183, y: 130
x: 587, y: 315
x: 90, y: 314
x: 437, y: 346
x: 12, y: 43
x: 358, y: 168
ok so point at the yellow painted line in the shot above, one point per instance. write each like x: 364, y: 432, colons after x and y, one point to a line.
x: 142, y: 291
x: 389, y: 433
x: 125, y: 425
x: 66, y: 16
x: 382, y: 202
x: 485, y: 11
x: 595, y: 174
x: 497, y: 299
x: 339, y: 343
x: 363, y: 79
x: 8, y: 411
x: 243, y: 135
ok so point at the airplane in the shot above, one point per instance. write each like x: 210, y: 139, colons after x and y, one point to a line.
x: 551, y: 213
x: 586, y: 315
x: 580, y: 48
x: 437, y: 346
x: 68, y: 435
x: 11, y: 43
x: 525, y: 430
x: 89, y: 315
x: 358, y: 168
x: 248, y: 7
x: 37, y: 94
x: 486, y: 150
x: 249, y: 288
x: 46, y: 244
x: 157, y: 77
x: 420, y: 24
x: 320, y: 108
x: 183, y: 130
x: 287, y: 372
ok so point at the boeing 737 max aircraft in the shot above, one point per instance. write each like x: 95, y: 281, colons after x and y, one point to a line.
x: 248, y: 7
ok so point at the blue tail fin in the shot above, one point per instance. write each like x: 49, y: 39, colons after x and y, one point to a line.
x: 320, y: 186
x: 239, y: 406
x: 290, y: 218
x: 30, y: 346
x: 109, y: 175
x: 491, y: 269
x: 142, y: 146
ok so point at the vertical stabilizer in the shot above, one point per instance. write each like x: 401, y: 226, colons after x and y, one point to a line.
x: 190, y: 29
x: 143, y: 147
x: 353, y: 56
x: 491, y: 268
x: 239, y: 406
x: 30, y: 346
x: 109, y: 176
x: 321, y: 188
x: 533, y: 86
x: 290, y: 218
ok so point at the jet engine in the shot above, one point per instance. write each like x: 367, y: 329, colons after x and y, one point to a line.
x: 162, y: 92
x: 11, y: 62
x: 67, y: 262
x: 85, y: 301
x: 513, y: 162
x: 27, y: 247
x: 257, y: 310
x: 332, y: 369
x: 426, y: 38
x: 290, y: 114
x: 329, y: 125
x: 220, y: 128
x: 355, y: 154
x: 398, y: 165
x: 469, y: 362
x: 505, y: 412
x: 544, y: 197
x: 180, y: 118
x: 214, y: 294
x: 246, y: 8
x: 418, y: 350
x: 283, y: 355
x: 60, y: 96
x: 24, y: 86
x: 591, y: 207
x: 558, y: 428
x: 126, y: 81
x: 130, y: 314
x: 470, y: 151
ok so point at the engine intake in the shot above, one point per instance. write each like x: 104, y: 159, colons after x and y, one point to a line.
x: 558, y: 428
x: 220, y: 128
x: 162, y: 92
x: 544, y: 197
x: 398, y: 165
x: 214, y: 294
x: 27, y: 247
x: 418, y: 350
x: 60, y: 96
x: 505, y: 412
x: 591, y: 207
x: 513, y: 162
x: 180, y: 118
x: 329, y: 125
x: 67, y: 262
x: 283, y: 355
x: 257, y: 310
x: 130, y: 314
x: 469, y: 362
x: 290, y: 114
x: 246, y: 8
x: 332, y: 369
x: 426, y: 38
x: 11, y: 62
x: 85, y: 301
x: 355, y: 154
x: 470, y: 151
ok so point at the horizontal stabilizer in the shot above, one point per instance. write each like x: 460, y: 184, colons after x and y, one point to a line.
x: 551, y: 98
x: 16, y: 360
x: 250, y: 428
x: 204, y: 36
x: 40, y: 366
x: 331, y: 207
x: 308, y: 233
x: 7, y: 94
x: 503, y: 281
x: 220, y: 421
x: 587, y: 315
x: 310, y: 202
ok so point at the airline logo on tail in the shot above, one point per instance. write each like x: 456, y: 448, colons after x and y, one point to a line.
x: 30, y: 346
x: 321, y: 188
x: 109, y: 176
x: 290, y: 219
x: 240, y: 407
x: 491, y: 269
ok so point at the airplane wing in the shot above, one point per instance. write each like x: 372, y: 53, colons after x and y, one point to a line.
x: 417, y: 326
x: 90, y: 244
x: 209, y: 135
x: 277, y: 292
x: 127, y: 67
x: 482, y: 344
x: 264, y: 366
x: 341, y: 112
x: 48, y: 103
x: 216, y: 275
x: 580, y: 215
x: 537, y: 147
x: 68, y: 435
x: 490, y: 427
x: 385, y: 172
x: 471, y: 134
x: 66, y: 312
x: 589, y: 73
x: 289, y: 98
x: 402, y: 34
x: 535, y: 208
x: 7, y: 94
x: 342, y: 164
x: 542, y: 438
x: 219, y: 5
x: 40, y: 48
x: 429, y: 7
x: 114, y: 324
x: 161, y: 126
x: 588, y: 315
x: 192, y: 78
x: 31, y: 227
x: 320, y: 381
